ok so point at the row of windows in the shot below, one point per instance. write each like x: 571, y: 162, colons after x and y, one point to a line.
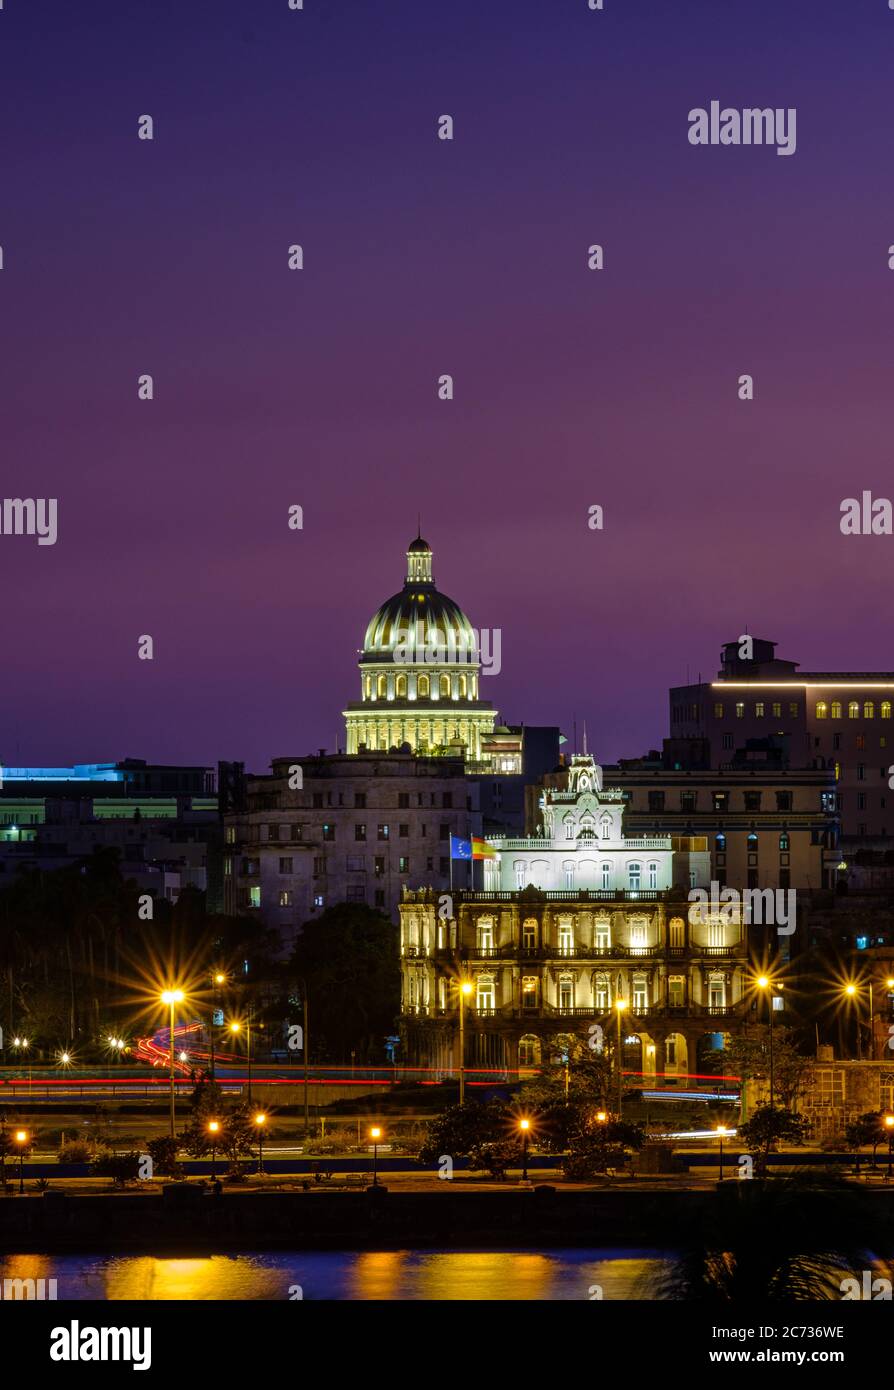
x: 466, y: 686
x: 720, y: 800
x: 760, y: 709
x: 833, y: 710
x: 403, y: 800
x: 383, y: 831
x: 566, y: 991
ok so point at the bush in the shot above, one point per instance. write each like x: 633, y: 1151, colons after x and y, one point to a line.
x: 236, y: 1173
x: 75, y: 1151
x: 121, y: 1168
x: 163, y: 1153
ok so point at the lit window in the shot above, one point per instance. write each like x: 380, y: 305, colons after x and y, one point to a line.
x: 822, y: 709
x: 634, y: 877
x: 853, y: 709
x: 254, y: 896
x: 759, y: 709
x: 868, y: 709
x: 605, y: 827
x: 740, y: 709
x: 777, y: 710
x: 606, y: 877
x: 836, y: 709
x: 653, y: 875
x: 885, y: 712
x: 718, y: 711
x: 793, y: 709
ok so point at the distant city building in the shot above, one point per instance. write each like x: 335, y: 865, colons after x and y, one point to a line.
x: 839, y: 720
x: 339, y: 828
x: 569, y: 922
x: 161, y: 818
x: 767, y: 825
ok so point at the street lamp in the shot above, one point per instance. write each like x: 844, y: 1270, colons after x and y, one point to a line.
x: 213, y: 1130
x: 465, y: 988
x: 765, y: 983
x: 851, y: 992
x: 260, y: 1121
x: 236, y: 1027
x: 601, y: 1117
x: 218, y: 978
x: 22, y: 1138
x: 721, y: 1134
x: 524, y: 1126
x: 375, y: 1135
x: 620, y: 1006
x: 170, y: 997
x: 889, y: 1126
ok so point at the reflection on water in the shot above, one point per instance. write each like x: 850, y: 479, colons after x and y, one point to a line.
x: 396, y: 1275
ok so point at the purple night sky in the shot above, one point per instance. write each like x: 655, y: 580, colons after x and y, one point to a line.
x: 422, y: 257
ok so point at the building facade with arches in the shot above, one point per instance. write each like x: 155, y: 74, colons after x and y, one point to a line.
x: 550, y: 951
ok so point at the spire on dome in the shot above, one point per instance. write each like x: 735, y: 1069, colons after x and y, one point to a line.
x: 419, y: 562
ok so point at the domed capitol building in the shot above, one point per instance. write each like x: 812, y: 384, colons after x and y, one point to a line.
x: 419, y: 675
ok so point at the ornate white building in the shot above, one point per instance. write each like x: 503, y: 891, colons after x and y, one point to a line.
x: 419, y: 674
x: 571, y: 922
x: 580, y: 844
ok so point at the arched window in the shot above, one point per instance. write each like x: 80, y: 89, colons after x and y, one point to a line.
x: 634, y: 877
x: 485, y: 993
x: 836, y: 709
x: 752, y: 843
x: 382, y: 687
x: 720, y: 843
x: 653, y: 875
x: 445, y: 686
x: 853, y: 709
x: 868, y: 709
x: 568, y: 869
x: 367, y: 687
x: 568, y: 823
x: 587, y: 825
x: 422, y: 687
x: 485, y: 933
x: 462, y: 687
x: 783, y: 840
x: 606, y: 876
x: 521, y: 873
x: 400, y: 687
x: 602, y: 993
x: 822, y: 709
x: 605, y: 827
x: 528, y: 1050
x: 885, y: 710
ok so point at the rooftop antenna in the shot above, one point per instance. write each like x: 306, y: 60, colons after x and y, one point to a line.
x: 585, y: 738
x: 574, y: 723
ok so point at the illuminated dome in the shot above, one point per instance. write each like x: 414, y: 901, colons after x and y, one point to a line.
x: 418, y: 617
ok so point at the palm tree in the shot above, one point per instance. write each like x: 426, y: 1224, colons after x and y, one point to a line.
x: 780, y: 1239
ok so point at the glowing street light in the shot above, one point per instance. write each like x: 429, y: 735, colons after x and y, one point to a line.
x: 465, y: 989
x: 375, y: 1135
x: 620, y: 1006
x: 889, y: 1126
x: 170, y: 997
x: 22, y: 1138
x: 260, y: 1121
x: 525, y: 1126
x: 721, y: 1133
x: 214, y: 1130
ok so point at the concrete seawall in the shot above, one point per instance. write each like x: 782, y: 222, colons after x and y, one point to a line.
x: 187, y: 1217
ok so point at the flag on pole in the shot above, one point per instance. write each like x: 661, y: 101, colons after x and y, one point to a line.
x: 459, y: 848
x: 482, y: 850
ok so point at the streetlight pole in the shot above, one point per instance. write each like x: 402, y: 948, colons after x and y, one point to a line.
x: 375, y: 1135
x: 620, y: 1006
x: 720, y: 1133
x: 465, y: 987
x: 524, y: 1126
x: 172, y: 997
x: 260, y: 1121
x: 889, y: 1125
x: 22, y: 1141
